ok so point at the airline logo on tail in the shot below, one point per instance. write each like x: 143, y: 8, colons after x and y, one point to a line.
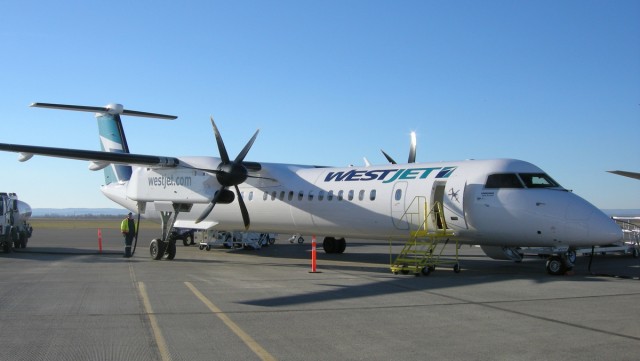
x: 112, y: 140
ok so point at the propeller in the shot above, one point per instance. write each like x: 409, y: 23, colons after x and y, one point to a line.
x: 230, y: 174
x: 412, y: 151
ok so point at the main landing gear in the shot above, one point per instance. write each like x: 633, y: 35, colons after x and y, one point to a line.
x: 333, y: 245
x: 165, y: 247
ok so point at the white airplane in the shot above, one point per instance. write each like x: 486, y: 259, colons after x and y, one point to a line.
x: 499, y: 204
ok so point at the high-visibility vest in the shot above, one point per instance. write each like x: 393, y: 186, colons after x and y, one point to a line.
x: 124, y: 226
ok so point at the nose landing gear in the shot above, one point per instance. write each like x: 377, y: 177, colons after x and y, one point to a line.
x: 559, y: 265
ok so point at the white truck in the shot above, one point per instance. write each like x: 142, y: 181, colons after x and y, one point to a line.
x: 15, y: 229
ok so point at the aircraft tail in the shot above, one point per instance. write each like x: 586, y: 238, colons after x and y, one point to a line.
x: 111, y: 132
x: 112, y: 139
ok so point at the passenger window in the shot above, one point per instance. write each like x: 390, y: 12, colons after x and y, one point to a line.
x: 281, y: 195
x: 264, y: 196
x: 320, y: 195
x: 330, y: 196
x: 310, y: 196
x: 250, y: 196
x: 273, y: 195
x: 361, y: 195
x: 398, y: 195
x: 372, y: 195
x: 351, y: 195
x: 300, y: 195
x: 340, y: 195
x: 505, y: 180
x: 290, y: 195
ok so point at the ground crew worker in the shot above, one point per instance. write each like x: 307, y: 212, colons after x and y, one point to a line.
x: 128, y: 229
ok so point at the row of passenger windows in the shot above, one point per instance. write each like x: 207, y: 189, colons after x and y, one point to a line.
x: 311, y: 195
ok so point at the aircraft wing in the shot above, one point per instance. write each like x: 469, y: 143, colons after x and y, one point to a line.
x: 625, y: 173
x: 27, y: 151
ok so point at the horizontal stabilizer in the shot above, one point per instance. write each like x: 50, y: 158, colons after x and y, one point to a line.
x: 111, y: 109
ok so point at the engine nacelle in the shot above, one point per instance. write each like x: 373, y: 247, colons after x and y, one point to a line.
x: 503, y: 253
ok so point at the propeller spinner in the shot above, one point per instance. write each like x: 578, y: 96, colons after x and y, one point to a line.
x: 230, y: 174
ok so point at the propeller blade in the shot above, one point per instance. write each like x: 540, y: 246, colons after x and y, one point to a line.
x: 221, y: 148
x: 246, y: 148
x: 412, y: 150
x: 388, y: 157
x: 243, y: 209
x: 210, y: 206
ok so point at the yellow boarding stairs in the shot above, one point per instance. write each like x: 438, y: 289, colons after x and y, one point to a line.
x: 423, y: 250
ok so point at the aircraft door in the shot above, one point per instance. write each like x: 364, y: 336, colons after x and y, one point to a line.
x: 398, y: 205
x: 453, y: 203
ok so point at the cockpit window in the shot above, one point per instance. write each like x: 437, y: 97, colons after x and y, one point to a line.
x: 504, y: 180
x: 538, y: 180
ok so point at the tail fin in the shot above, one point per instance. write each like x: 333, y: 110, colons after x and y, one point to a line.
x: 112, y: 138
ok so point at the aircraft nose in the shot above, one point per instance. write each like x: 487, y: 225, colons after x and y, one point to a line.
x: 603, y: 230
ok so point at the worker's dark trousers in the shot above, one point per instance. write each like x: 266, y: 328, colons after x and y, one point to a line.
x: 128, y: 240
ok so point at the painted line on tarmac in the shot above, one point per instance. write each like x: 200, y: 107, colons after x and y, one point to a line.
x: 157, y: 334
x: 248, y: 340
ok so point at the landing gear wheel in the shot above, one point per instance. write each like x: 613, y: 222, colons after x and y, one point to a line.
x: 572, y: 256
x: 171, y: 251
x: 456, y: 268
x: 426, y: 271
x: 635, y: 252
x: 329, y: 244
x: 300, y: 240
x: 156, y: 248
x: 341, y: 245
x: 207, y: 247
x: 556, y: 266
x: 201, y: 247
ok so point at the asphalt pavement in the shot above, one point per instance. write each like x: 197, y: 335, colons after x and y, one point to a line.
x: 63, y: 299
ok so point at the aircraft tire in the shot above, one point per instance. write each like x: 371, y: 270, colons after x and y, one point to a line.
x: 555, y: 266
x: 300, y: 240
x: 329, y: 245
x: 426, y: 271
x: 341, y: 245
x: 156, y: 249
x: 171, y: 252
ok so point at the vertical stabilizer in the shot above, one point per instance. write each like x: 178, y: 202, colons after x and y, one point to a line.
x: 112, y: 139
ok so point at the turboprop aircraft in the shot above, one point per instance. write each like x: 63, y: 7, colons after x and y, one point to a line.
x: 499, y: 204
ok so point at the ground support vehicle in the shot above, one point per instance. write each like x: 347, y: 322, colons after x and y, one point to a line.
x: 207, y: 239
x: 184, y: 234
x: 15, y: 230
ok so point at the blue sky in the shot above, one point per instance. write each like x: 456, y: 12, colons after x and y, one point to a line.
x: 555, y: 83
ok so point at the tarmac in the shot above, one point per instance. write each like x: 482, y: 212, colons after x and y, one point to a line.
x: 62, y: 299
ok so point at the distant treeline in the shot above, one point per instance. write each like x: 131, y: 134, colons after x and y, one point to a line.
x: 79, y: 216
